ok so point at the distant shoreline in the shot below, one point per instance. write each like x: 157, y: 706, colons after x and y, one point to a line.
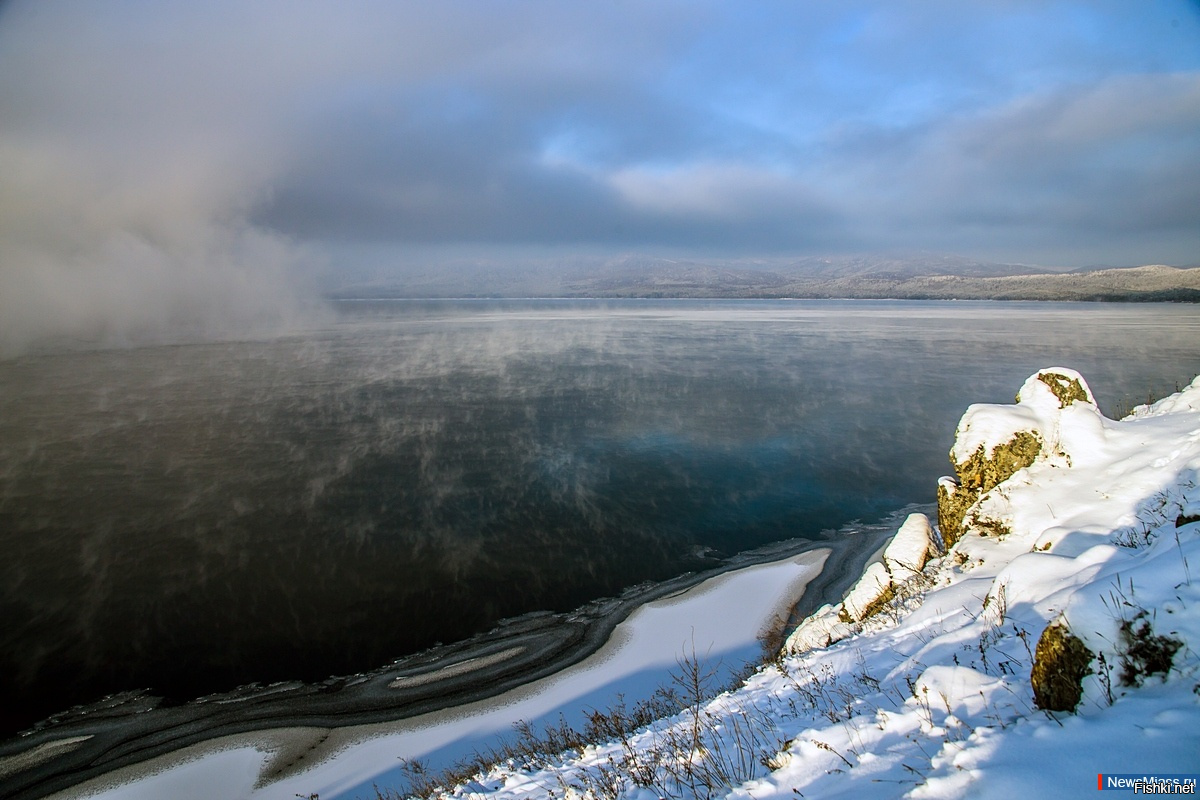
x: 1192, y: 298
x: 675, y: 281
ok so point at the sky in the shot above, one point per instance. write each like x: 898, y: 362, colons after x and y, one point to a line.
x: 196, y: 164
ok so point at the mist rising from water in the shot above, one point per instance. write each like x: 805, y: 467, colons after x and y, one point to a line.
x: 135, y: 252
x: 150, y: 280
x: 128, y: 195
x: 192, y: 518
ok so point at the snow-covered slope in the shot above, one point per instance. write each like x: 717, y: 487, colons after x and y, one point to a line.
x: 1075, y: 544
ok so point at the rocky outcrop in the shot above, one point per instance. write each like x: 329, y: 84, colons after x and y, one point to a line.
x: 903, y: 558
x: 1055, y: 416
x: 994, y: 442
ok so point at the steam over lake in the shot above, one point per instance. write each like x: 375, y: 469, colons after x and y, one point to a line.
x: 191, y: 518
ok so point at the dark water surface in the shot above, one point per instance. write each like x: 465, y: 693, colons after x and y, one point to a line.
x: 192, y: 518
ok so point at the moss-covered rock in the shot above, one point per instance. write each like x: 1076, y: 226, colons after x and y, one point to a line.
x: 1067, y: 389
x: 1060, y: 664
x: 980, y: 473
x: 952, y: 504
x: 982, y: 470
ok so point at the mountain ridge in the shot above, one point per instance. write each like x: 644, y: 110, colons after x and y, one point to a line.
x: 915, y: 277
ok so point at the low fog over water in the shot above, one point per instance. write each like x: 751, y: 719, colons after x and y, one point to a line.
x: 193, y: 517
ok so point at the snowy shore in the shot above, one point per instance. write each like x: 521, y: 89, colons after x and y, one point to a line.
x: 280, y: 731
x: 1054, y: 643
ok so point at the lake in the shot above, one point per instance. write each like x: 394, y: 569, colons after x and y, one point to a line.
x: 195, y: 517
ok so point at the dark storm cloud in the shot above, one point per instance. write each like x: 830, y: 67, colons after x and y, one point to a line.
x: 177, y: 166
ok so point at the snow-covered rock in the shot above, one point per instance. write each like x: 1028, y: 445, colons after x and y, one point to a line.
x: 1056, y: 420
x: 902, y: 560
x: 1039, y: 410
x: 821, y: 629
x: 874, y: 586
x: 911, y: 548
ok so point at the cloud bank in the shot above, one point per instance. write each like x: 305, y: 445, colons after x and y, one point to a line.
x: 178, y: 167
x: 129, y: 174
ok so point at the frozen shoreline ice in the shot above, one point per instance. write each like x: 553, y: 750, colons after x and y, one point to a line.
x: 721, y: 617
x: 290, y: 720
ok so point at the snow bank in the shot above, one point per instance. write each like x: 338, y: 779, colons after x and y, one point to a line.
x: 1092, y: 535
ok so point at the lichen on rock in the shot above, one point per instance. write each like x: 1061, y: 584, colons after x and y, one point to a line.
x: 952, y: 505
x: 1056, y: 387
x: 983, y: 470
x: 1067, y: 389
x: 978, y: 474
x: 1060, y: 664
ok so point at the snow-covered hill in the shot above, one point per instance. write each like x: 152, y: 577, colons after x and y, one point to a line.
x: 1073, y: 567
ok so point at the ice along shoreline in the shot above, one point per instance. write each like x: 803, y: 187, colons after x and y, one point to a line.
x: 124, y: 732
